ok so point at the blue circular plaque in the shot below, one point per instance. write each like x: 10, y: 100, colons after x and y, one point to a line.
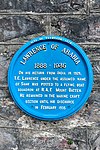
x: 50, y: 78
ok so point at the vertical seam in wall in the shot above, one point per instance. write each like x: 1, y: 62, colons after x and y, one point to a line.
x: 88, y: 7
x: 48, y: 27
x: 87, y: 143
x: 50, y: 24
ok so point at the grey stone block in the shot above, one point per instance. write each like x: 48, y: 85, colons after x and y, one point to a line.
x: 9, y: 112
x: 93, y: 52
x: 46, y: 6
x: 94, y: 5
x: 7, y: 139
x: 72, y: 28
x: 93, y: 138
x: 93, y: 28
x: 19, y: 26
x: 70, y: 139
x: 48, y: 140
x: 77, y: 29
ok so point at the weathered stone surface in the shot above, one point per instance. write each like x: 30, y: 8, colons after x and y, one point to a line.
x: 69, y: 140
x: 93, y: 53
x: 95, y: 5
x: 61, y: 139
x: 7, y: 140
x: 77, y: 29
x: 93, y: 138
x: 8, y: 109
x: 24, y: 139
x: 23, y: 39
x: 93, y: 29
x: 43, y: 5
x: 72, y: 28
x: 19, y: 26
x: 19, y: 29
x: 92, y: 110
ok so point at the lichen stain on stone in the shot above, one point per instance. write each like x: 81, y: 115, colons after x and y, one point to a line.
x: 79, y: 122
x: 22, y: 121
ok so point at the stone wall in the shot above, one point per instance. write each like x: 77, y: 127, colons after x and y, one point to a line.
x: 22, y: 20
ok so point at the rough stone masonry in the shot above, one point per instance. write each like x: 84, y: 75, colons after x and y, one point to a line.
x: 22, y: 20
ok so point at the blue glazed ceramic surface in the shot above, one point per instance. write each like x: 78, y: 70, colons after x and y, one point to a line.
x: 50, y: 78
